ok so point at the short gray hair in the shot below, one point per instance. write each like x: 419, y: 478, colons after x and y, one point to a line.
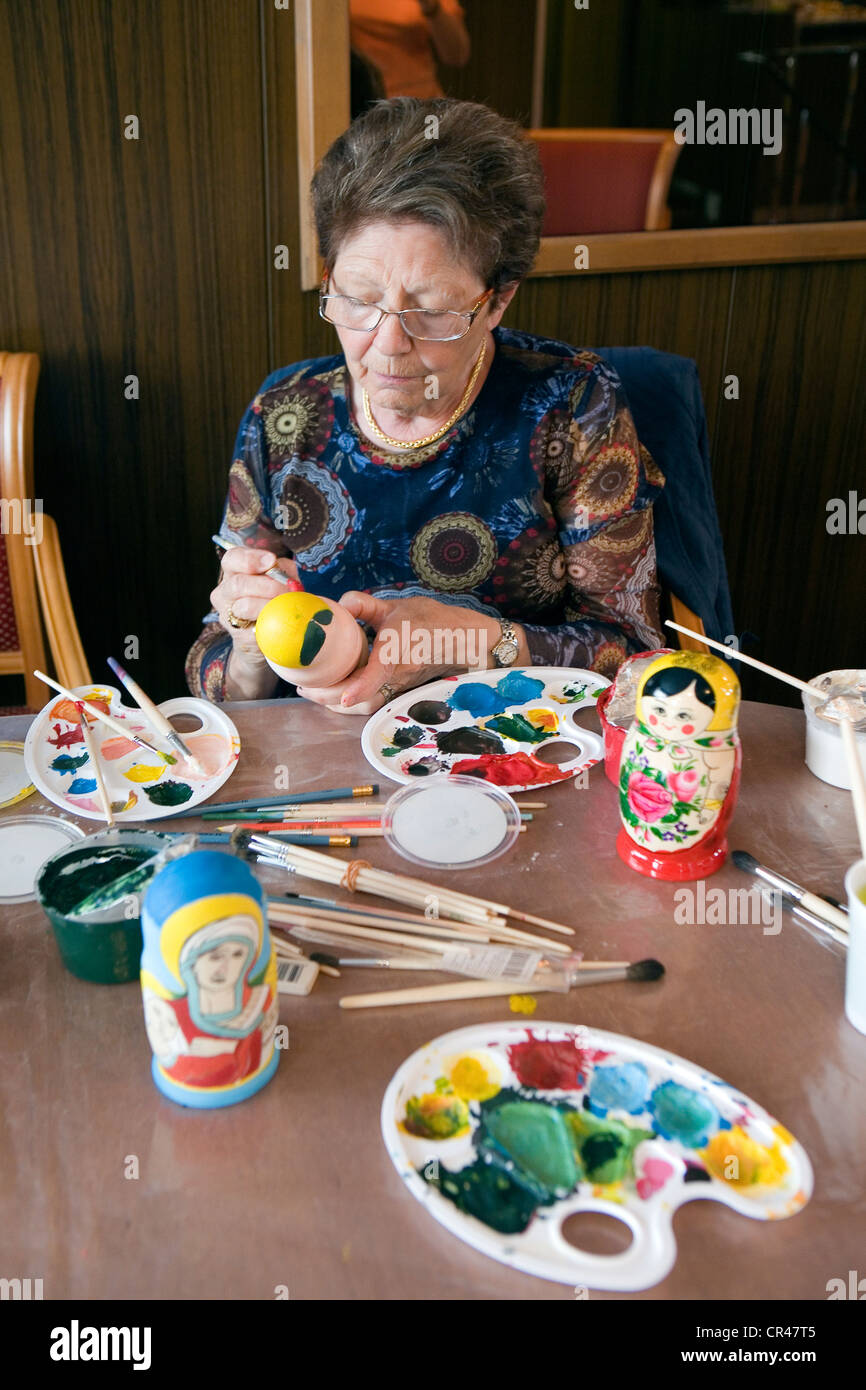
x: 470, y: 172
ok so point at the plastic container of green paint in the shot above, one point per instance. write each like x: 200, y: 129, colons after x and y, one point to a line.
x: 104, y: 946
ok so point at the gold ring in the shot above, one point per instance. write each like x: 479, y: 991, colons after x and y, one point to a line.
x: 388, y: 691
x: 234, y: 621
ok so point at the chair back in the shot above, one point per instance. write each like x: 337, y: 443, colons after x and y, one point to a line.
x: 22, y: 646
x: 664, y: 395
x: 33, y: 588
x: 605, y: 180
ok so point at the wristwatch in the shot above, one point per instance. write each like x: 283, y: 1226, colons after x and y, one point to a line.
x: 506, y: 649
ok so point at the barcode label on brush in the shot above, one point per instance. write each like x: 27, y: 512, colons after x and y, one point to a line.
x: 492, y: 963
x: 287, y: 971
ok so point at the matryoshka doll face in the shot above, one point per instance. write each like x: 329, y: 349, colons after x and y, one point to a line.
x: 221, y: 967
x: 675, y: 716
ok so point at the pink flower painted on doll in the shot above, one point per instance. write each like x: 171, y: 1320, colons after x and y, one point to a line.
x: 684, y: 784
x: 648, y: 799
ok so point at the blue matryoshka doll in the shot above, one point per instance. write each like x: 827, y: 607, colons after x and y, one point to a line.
x: 208, y: 981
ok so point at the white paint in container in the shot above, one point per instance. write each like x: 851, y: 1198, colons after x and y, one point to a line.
x: 825, y: 752
x: 451, y: 822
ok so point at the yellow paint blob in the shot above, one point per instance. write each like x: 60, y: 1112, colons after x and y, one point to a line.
x: 522, y: 1003
x: 543, y: 719
x: 282, y: 626
x: 738, y: 1160
x: 471, y: 1081
x: 142, y: 773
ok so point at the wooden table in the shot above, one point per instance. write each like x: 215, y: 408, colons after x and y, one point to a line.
x: 294, y: 1187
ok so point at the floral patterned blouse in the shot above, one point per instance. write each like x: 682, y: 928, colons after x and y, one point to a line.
x: 536, y: 505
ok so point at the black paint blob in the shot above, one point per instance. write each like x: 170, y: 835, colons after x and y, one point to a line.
x: 469, y: 740
x: 430, y: 712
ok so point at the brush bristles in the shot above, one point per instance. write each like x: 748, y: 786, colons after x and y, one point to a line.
x: 645, y: 970
x: 239, y: 841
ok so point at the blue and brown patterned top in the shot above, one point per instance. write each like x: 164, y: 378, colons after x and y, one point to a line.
x: 536, y: 505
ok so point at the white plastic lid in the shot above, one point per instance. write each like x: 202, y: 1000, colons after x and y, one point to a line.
x: 451, y: 822
x: 25, y: 844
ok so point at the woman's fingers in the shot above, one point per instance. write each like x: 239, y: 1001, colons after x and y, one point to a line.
x: 331, y: 698
x: 366, y: 607
x: 365, y: 686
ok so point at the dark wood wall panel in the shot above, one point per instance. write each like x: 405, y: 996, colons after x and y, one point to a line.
x: 143, y: 257
x: 795, y: 336
x: 499, y: 71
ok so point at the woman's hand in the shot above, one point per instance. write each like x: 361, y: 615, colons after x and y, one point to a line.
x: 417, y: 640
x: 243, y: 591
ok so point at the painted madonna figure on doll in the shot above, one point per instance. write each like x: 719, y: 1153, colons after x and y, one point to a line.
x: 680, y: 768
x: 208, y: 981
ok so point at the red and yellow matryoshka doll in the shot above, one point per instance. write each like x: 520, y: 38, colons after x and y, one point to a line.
x: 680, y: 768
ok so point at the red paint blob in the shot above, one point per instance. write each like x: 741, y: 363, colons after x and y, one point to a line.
x: 552, y: 1065
x: 67, y: 739
x: 509, y: 770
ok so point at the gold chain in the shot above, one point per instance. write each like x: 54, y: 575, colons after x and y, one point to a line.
x: 428, y: 438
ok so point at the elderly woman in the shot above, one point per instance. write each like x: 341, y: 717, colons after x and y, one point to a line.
x: 442, y: 473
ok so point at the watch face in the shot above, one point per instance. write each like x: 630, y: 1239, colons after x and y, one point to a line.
x: 505, y: 652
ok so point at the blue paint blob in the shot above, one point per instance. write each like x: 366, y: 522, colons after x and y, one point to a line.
x: 517, y: 688
x: 624, y: 1087
x: 683, y: 1114
x: 82, y: 786
x: 476, y: 698
x: 513, y: 689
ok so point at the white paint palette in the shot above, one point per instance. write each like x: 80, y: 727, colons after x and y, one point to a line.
x: 505, y: 1130
x: 15, y: 784
x: 489, y: 725
x: 141, y: 786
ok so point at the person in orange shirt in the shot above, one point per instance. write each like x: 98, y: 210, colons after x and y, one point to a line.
x: 403, y: 39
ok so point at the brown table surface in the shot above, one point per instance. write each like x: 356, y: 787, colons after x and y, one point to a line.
x: 294, y: 1186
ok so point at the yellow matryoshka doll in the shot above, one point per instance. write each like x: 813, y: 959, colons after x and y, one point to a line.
x: 680, y: 768
x: 310, y: 641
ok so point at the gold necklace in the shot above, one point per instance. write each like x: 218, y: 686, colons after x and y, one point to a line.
x: 428, y: 438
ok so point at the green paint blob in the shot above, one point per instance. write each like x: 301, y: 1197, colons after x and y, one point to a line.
x: 67, y: 763
x: 313, y: 641
x: 534, y: 1135
x: 324, y: 616
x: 516, y: 727
x: 169, y: 793
x: 489, y: 1193
x: 605, y: 1147
x: 87, y: 871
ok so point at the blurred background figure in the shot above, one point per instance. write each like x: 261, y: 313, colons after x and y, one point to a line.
x: 404, y: 39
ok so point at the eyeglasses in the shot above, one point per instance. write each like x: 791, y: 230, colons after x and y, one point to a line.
x: 433, y: 325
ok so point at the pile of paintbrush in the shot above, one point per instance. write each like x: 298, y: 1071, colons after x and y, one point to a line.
x: 308, y: 818
x: 314, y: 818
x: 447, y: 931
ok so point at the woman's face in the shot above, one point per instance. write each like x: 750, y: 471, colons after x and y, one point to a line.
x: 409, y: 266
x: 675, y: 716
x: 221, y: 967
